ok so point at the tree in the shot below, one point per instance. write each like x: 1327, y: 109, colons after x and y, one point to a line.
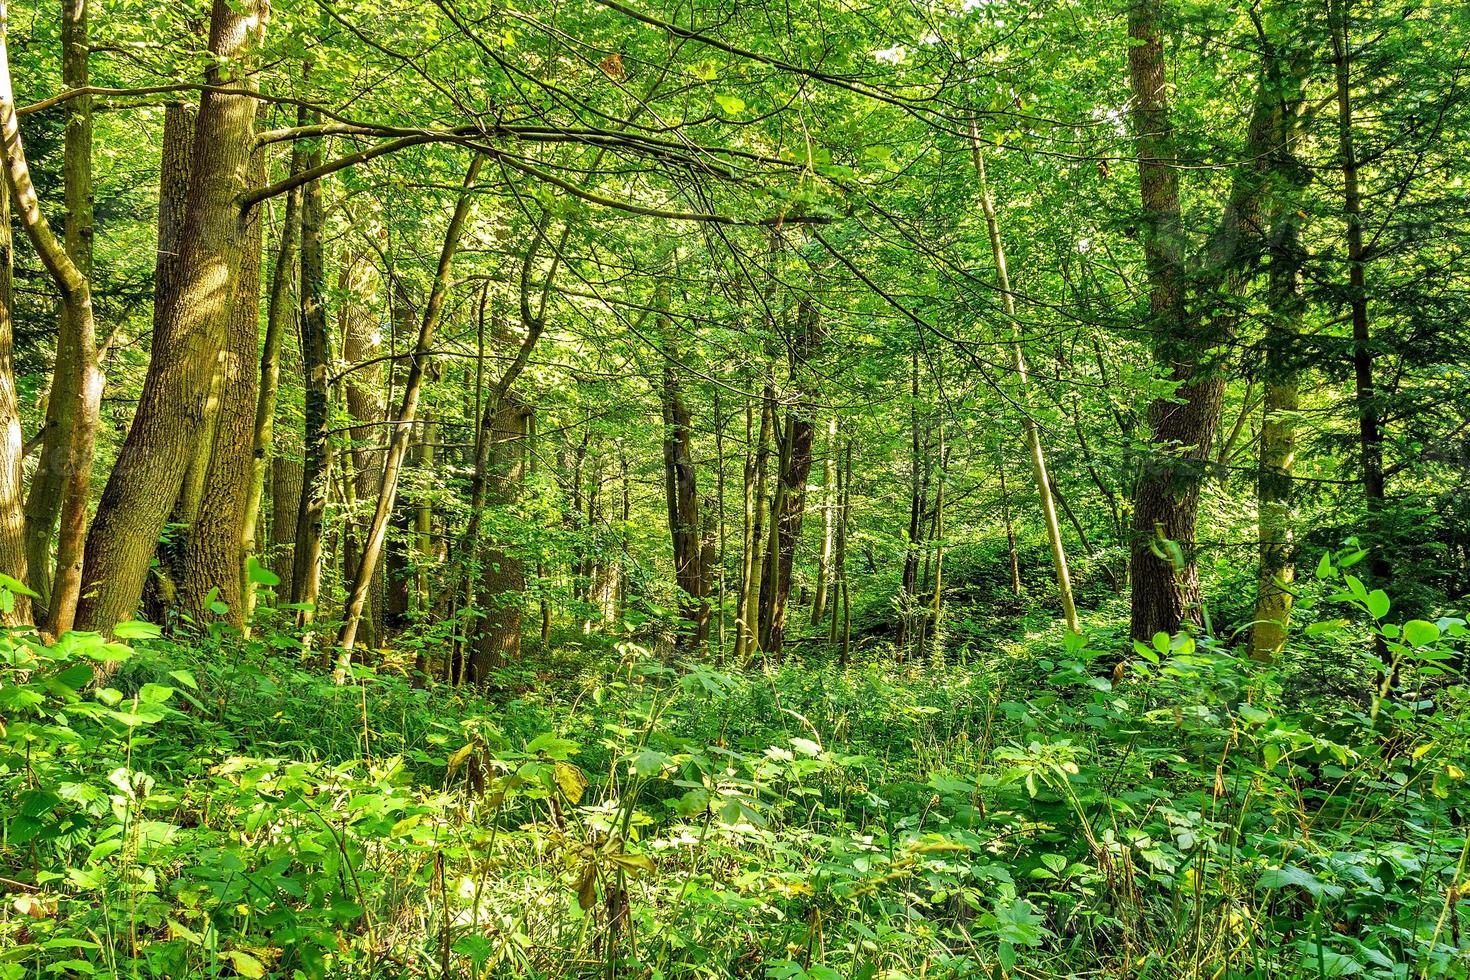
x: 170, y: 411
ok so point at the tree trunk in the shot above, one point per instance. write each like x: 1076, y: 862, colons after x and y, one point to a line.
x: 76, y: 378
x: 316, y: 468
x: 1280, y: 374
x: 824, y: 559
x: 681, y: 492
x: 1028, y: 424
x: 502, y: 579
x: 215, y: 561
x: 286, y: 480
x: 1277, y: 570
x: 156, y: 453
x: 1193, y: 319
x: 935, y: 613
x: 1182, y: 428
x: 279, y: 323
x: 788, y: 521
x: 916, y: 508
x: 12, y: 439
x: 844, y: 497
x: 1370, y: 432
x: 423, y: 519
x: 363, y: 394
x: 1005, y: 513
x: 747, y: 640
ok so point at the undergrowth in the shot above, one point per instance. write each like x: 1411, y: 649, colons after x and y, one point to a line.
x: 218, y: 808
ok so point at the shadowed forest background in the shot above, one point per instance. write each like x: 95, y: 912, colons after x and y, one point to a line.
x: 645, y: 489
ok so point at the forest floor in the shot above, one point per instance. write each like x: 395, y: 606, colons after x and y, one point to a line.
x: 222, y: 810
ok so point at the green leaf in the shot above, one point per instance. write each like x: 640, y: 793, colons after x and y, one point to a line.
x: 1292, y: 876
x: 155, y: 693
x: 1254, y: 715
x: 136, y: 629
x: 650, y: 761
x: 9, y: 583
x: 551, y: 746
x: 731, y: 104
x: 259, y: 574
x: 1420, y: 633
x: 185, y: 678
x: 1378, y: 603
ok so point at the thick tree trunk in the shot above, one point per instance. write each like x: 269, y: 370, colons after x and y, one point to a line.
x: 156, y: 453
x: 214, y: 564
x: 1193, y: 318
x: 1165, y: 578
x: 176, y: 162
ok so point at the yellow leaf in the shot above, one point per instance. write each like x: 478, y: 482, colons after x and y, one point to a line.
x: 458, y: 757
x: 570, y: 779
x: 634, y: 864
x: 587, y: 887
x: 245, y: 964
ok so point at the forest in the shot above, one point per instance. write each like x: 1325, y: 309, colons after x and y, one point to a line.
x: 849, y: 490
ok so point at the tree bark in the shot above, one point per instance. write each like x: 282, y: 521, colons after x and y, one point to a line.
x: 788, y: 520
x: 1165, y: 586
x: 1280, y: 373
x: 1370, y: 431
x: 1005, y: 513
x: 1277, y: 569
x: 916, y: 508
x: 214, y: 563
x: 76, y: 297
x: 747, y: 641
x: 73, y: 401
x: 502, y: 579
x: 12, y: 439
x: 681, y: 492
x: 156, y: 453
x: 363, y: 393
x: 316, y: 469
x: 824, y: 559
